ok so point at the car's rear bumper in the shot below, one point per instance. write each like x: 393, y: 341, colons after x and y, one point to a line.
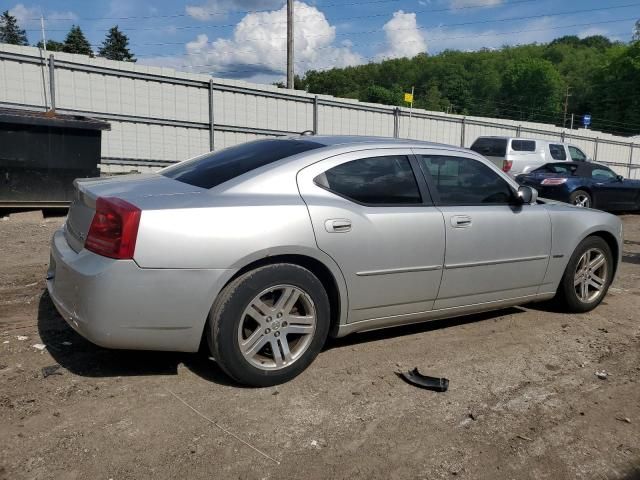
x: 117, y: 304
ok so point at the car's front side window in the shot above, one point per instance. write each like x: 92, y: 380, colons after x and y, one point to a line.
x: 577, y: 155
x: 602, y: 174
x: 465, y: 181
x: 557, y: 152
x: 387, y: 180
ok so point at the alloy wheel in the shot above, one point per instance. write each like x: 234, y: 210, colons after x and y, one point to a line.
x: 277, y: 327
x: 590, y: 277
x: 581, y: 201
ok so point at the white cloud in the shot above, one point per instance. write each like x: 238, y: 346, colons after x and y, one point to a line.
x: 29, y: 17
x: 404, y: 38
x: 213, y: 9
x: 474, y: 3
x: 258, y: 47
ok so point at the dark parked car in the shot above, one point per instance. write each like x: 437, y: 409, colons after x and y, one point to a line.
x: 584, y: 185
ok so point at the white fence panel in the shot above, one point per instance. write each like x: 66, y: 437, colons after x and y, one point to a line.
x: 159, y: 115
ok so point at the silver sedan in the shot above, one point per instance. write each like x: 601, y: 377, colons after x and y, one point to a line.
x: 266, y: 248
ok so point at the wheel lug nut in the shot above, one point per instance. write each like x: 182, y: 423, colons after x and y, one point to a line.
x: 268, y: 330
x: 277, y: 334
x: 279, y: 315
x: 284, y: 324
x: 268, y: 319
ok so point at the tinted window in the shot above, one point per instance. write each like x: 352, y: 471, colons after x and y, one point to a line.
x: 523, y: 145
x: 215, y: 168
x: 464, y: 181
x: 603, y: 173
x: 557, y: 152
x: 577, y: 155
x: 558, y: 168
x: 377, y: 180
x: 490, y: 147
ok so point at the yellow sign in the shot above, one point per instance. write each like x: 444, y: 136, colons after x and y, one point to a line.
x: 408, y: 97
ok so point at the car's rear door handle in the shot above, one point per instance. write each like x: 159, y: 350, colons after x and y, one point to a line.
x: 460, y: 221
x: 338, y: 225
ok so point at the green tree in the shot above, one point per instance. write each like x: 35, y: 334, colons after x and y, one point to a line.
x: 433, y: 99
x: 115, y: 46
x: 636, y: 32
x: 52, y: 46
x: 76, y: 42
x: 10, y: 31
x: 534, y: 87
x: 386, y: 96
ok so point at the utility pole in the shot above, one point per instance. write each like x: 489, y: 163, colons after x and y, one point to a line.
x: 566, y: 106
x: 44, y: 40
x: 289, y: 43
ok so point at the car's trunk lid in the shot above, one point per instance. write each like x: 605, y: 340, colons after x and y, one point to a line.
x: 136, y: 189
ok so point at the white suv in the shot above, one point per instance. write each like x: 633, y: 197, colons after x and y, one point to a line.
x: 521, y: 155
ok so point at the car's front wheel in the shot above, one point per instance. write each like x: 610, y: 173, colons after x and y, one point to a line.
x: 587, y: 276
x: 269, y: 324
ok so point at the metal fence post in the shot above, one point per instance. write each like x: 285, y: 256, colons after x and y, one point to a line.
x: 562, y: 137
x: 211, y: 117
x: 630, y: 159
x: 396, y: 123
x: 518, y: 130
x: 462, y: 131
x: 315, y: 115
x: 595, y: 153
x: 52, y: 82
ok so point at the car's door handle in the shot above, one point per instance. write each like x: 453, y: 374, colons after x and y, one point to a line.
x: 460, y: 221
x: 338, y: 225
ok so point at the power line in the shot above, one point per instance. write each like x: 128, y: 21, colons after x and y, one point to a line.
x: 440, y: 25
x: 323, y: 6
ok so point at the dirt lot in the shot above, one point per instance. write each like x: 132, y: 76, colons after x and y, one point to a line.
x: 524, y: 400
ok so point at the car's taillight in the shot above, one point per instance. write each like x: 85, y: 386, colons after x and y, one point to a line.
x: 506, y: 165
x: 114, y: 228
x: 553, y: 181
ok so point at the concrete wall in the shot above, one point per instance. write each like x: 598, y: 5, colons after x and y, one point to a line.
x: 159, y: 115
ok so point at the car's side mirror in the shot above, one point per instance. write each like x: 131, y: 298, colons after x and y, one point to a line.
x: 527, y: 195
x: 619, y: 178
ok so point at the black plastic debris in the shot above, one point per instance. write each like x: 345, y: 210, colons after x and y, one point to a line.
x: 415, y: 378
x: 51, y: 370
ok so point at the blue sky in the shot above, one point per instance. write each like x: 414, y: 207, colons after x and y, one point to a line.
x: 246, y: 38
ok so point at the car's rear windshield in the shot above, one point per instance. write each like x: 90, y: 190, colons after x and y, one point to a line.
x: 212, y: 169
x: 490, y: 147
x: 559, y: 168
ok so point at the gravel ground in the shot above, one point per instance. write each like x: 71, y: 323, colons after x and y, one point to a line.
x: 524, y: 401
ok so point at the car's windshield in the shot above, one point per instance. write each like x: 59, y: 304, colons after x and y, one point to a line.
x: 212, y: 169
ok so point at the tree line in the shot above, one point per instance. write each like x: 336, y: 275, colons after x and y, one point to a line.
x: 114, y: 47
x: 592, y: 75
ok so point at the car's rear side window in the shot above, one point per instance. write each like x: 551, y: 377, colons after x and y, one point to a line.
x: 212, y: 169
x: 523, y: 145
x: 557, y: 152
x: 490, y: 147
x: 385, y: 180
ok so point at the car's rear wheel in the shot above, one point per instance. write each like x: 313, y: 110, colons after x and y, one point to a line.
x: 587, y: 276
x: 269, y: 324
x: 580, y: 198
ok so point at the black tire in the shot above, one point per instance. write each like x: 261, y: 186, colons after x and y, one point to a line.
x: 227, y: 313
x: 577, y: 195
x: 567, y: 295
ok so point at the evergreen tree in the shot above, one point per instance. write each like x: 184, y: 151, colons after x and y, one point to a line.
x: 10, y: 31
x: 52, y: 46
x: 76, y: 42
x: 115, y: 46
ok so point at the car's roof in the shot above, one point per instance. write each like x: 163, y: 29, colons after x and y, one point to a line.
x: 344, y: 140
